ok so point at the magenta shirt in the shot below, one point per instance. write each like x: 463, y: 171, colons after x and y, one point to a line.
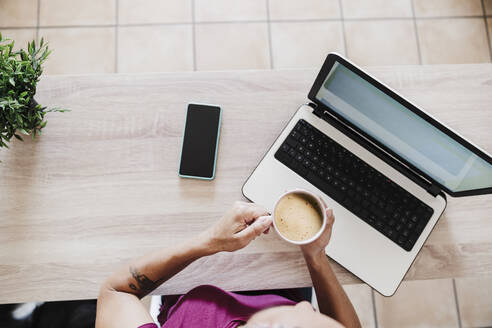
x: 210, y: 306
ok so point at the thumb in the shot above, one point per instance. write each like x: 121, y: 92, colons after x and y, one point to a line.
x: 256, y: 228
x: 330, y: 218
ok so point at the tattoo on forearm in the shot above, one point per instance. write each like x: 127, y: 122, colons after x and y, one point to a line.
x: 145, y: 285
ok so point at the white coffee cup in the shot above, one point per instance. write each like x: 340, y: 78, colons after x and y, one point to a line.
x: 315, y: 199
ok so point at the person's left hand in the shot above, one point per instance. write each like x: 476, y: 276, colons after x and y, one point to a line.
x: 238, y: 227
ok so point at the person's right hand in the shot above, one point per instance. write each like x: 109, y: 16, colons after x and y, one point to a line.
x: 238, y: 227
x: 317, y: 247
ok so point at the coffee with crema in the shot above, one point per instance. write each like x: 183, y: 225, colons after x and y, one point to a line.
x: 297, y: 217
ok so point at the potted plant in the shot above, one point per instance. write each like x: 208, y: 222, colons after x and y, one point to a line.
x: 19, y: 75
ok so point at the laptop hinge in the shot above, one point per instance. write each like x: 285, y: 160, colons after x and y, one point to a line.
x: 316, y: 110
x: 433, y: 189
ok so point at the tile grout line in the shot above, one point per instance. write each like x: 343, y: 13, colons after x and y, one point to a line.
x: 269, y: 29
x: 342, y: 20
x: 419, y: 52
x: 373, y: 299
x: 247, y: 21
x: 457, y: 303
x: 193, y: 33
x: 116, y: 32
x: 37, y: 22
x: 487, y: 29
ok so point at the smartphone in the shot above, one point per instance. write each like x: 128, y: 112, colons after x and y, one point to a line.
x: 200, y: 141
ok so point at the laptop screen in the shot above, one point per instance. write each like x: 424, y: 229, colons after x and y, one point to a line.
x: 403, y: 131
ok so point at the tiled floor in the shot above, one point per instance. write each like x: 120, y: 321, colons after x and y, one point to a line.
x: 108, y: 36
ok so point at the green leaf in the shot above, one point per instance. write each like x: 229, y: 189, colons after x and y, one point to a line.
x: 24, y: 132
x: 12, y: 81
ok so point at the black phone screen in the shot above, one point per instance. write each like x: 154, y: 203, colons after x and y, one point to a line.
x: 200, y: 141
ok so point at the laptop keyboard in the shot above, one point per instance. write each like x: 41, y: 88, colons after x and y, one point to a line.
x: 350, y: 181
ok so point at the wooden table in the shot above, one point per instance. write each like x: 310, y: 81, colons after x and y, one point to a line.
x: 101, y: 187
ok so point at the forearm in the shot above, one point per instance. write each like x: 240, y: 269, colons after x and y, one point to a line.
x: 143, y: 275
x: 332, y: 299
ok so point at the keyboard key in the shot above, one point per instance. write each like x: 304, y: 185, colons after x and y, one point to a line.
x: 390, y: 208
x: 390, y: 233
x: 291, y: 142
x: 302, y: 170
x: 296, y: 135
x: 283, y: 157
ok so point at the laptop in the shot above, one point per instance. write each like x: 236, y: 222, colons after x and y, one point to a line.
x: 383, y: 165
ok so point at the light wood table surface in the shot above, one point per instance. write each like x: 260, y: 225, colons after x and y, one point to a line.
x: 100, y: 186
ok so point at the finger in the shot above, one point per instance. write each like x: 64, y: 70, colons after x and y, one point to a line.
x: 255, y: 229
x: 323, y: 202
x: 330, y: 218
x: 266, y: 231
x: 253, y: 211
x: 329, y: 212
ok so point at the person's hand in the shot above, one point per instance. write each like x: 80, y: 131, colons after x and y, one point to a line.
x: 238, y: 227
x: 317, y: 248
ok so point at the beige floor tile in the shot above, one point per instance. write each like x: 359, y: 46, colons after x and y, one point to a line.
x: 154, y: 11
x: 305, y: 9
x: 360, y: 296
x: 20, y: 36
x: 435, y: 8
x: 230, y: 10
x: 155, y: 48
x: 80, y: 50
x: 14, y: 13
x: 381, y: 42
x: 376, y: 8
x: 76, y: 12
x: 232, y: 46
x: 475, y: 301
x: 488, y: 7
x: 423, y: 303
x: 292, y: 49
x: 453, y: 41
